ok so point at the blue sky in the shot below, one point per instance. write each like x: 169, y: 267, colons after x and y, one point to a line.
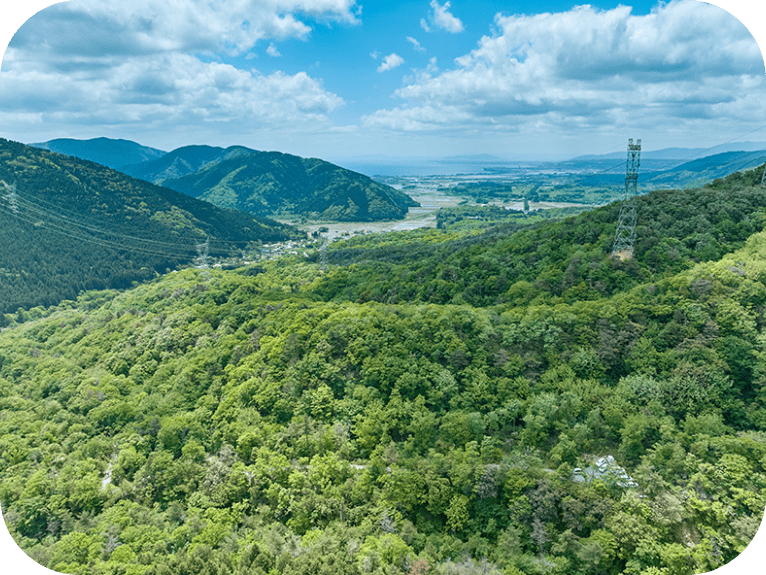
x: 339, y: 78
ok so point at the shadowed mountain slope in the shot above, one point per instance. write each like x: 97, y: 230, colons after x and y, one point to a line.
x: 68, y: 225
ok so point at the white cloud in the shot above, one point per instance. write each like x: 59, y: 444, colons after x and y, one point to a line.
x: 390, y: 61
x: 101, y: 29
x: 424, y: 25
x: 683, y: 64
x: 443, y: 19
x: 421, y: 119
x: 172, y: 92
x: 415, y: 44
x: 147, y: 64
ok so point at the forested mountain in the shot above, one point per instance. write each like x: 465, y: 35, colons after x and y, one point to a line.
x: 272, y: 183
x: 180, y: 162
x: 580, y: 416
x: 74, y: 225
x: 106, y: 151
x: 565, y: 261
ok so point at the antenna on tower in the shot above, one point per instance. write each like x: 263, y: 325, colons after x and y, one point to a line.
x: 625, y: 235
x: 12, y: 197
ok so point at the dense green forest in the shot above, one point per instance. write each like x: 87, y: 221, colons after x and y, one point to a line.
x: 76, y: 225
x: 467, y: 216
x: 272, y: 184
x: 387, y: 415
x: 528, y: 259
x: 175, y: 164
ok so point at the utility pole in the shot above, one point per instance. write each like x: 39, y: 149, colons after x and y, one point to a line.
x: 625, y: 235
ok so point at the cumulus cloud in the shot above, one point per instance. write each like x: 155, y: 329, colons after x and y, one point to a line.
x: 683, y: 62
x: 420, y: 119
x: 148, y: 63
x: 415, y: 44
x: 441, y: 18
x: 176, y: 85
x: 90, y: 28
x: 390, y: 61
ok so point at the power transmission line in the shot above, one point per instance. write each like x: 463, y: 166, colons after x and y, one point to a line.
x: 98, y: 225
x: 97, y: 241
x: 30, y: 212
x: 179, y: 251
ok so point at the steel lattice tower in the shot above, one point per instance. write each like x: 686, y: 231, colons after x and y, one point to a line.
x: 12, y: 197
x: 625, y: 236
x: 203, y: 254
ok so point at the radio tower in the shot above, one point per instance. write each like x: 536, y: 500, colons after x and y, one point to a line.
x: 625, y: 236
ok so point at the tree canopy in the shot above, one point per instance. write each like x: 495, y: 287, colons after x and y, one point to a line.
x: 279, y: 422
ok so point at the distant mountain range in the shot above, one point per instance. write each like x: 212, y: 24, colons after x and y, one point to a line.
x: 676, y: 154
x: 679, y: 153
x: 118, y: 153
x: 702, y: 170
x: 657, y: 173
x: 273, y: 184
x: 68, y: 225
x: 106, y: 151
x: 266, y: 184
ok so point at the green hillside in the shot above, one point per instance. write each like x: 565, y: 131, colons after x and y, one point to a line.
x: 280, y: 420
x: 78, y: 225
x: 180, y: 162
x: 273, y: 184
x: 562, y: 262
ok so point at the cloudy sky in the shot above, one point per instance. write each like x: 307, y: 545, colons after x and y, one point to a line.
x: 341, y: 78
